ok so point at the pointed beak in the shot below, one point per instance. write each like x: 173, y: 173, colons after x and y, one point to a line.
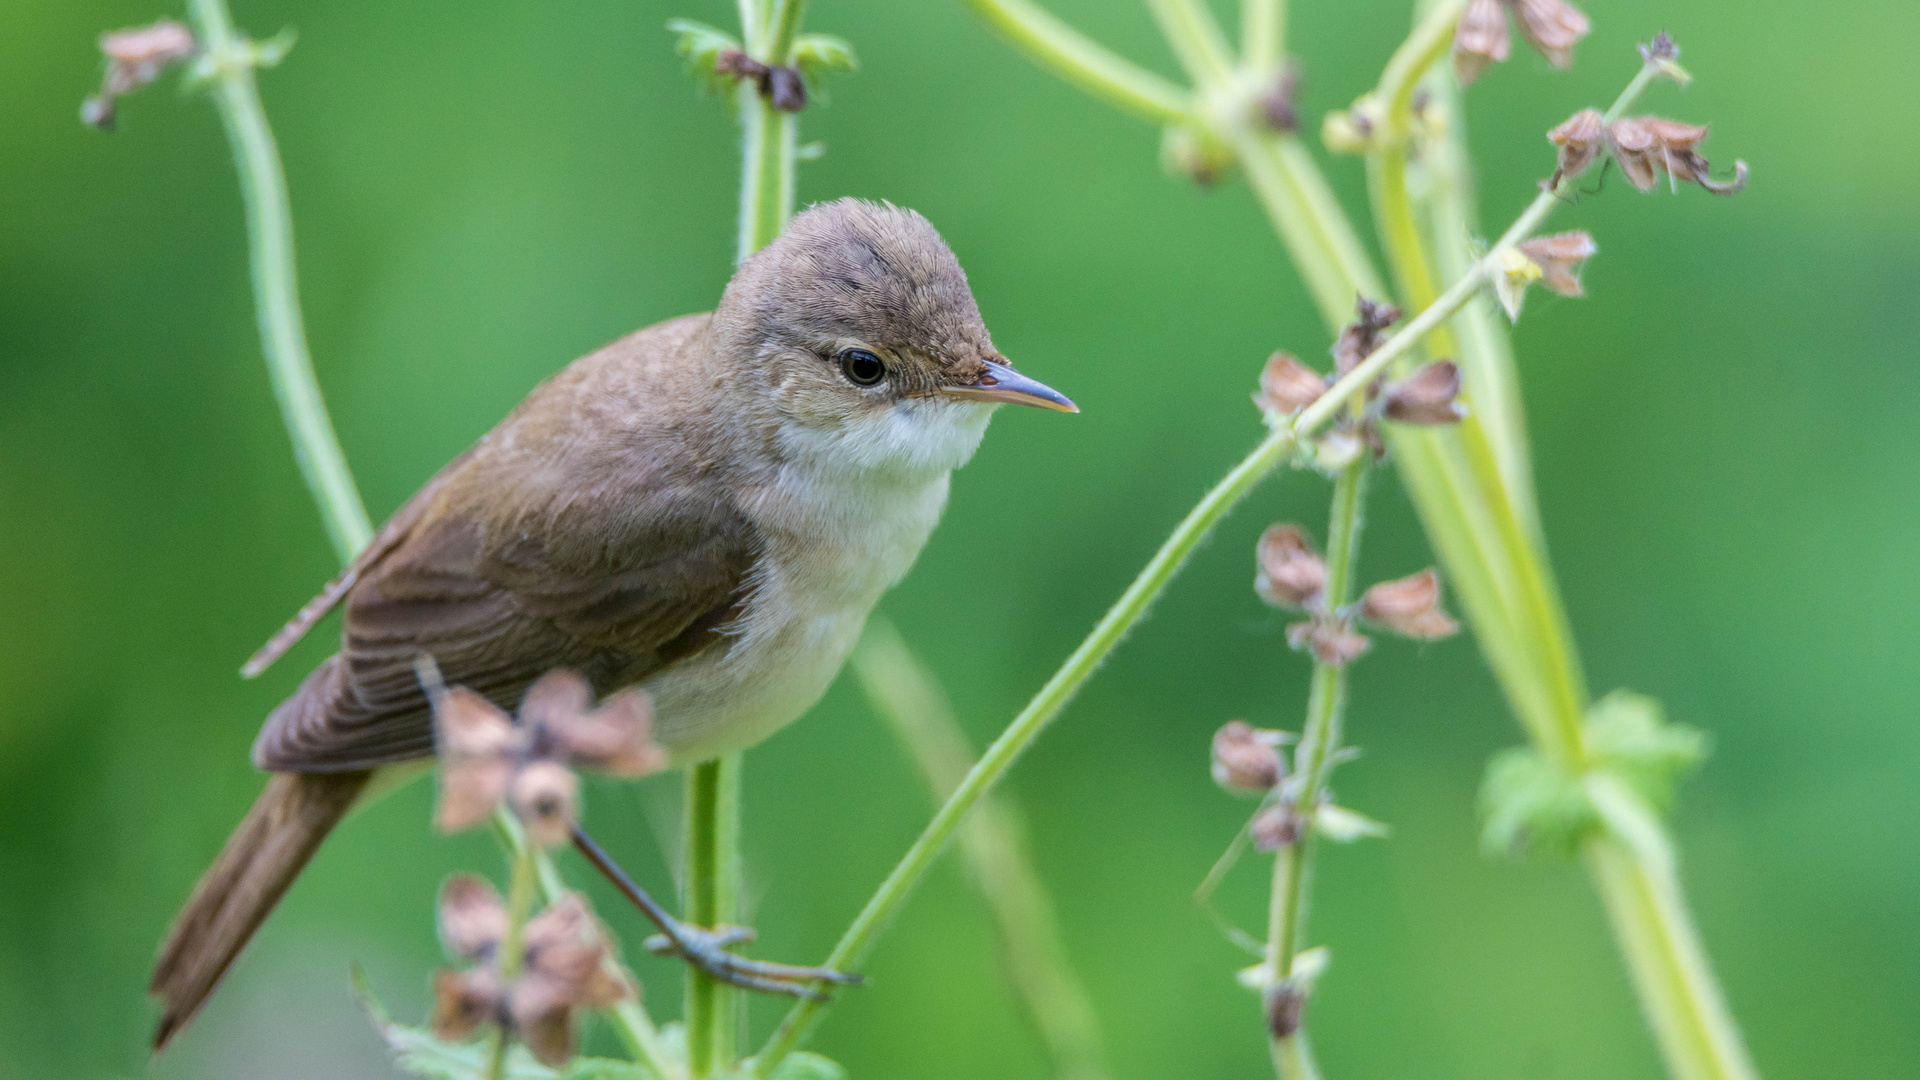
x: 1002, y: 383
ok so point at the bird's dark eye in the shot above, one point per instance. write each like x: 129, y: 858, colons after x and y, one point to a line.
x: 861, y: 367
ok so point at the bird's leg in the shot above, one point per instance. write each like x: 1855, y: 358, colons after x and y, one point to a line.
x: 706, y: 949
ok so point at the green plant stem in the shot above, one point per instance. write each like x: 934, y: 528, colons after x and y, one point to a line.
x: 303, y: 410
x: 1079, y: 60
x: 1319, y: 741
x: 1462, y: 491
x: 712, y: 900
x: 1263, y: 31
x: 1196, y: 40
x: 522, y: 883
x: 229, y: 63
x: 1019, y: 734
x: 993, y: 845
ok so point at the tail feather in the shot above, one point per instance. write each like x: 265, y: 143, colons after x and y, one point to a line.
x: 260, y: 860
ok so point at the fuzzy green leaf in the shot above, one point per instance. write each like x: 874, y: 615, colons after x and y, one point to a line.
x: 1629, y: 735
x: 1344, y: 826
x: 798, y: 1065
x: 817, y: 54
x: 702, y: 45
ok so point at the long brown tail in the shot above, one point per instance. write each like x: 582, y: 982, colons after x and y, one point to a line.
x: 261, y: 859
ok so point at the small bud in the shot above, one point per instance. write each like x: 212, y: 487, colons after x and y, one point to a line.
x: 1552, y: 27
x: 786, y: 89
x: 1331, y: 641
x: 1512, y: 273
x: 1663, y: 54
x: 1580, y: 139
x: 1196, y: 154
x: 463, y: 1001
x: 1338, y: 449
x: 1409, y: 606
x: 1245, y: 758
x: 1291, y: 573
x: 1480, y: 39
x: 1428, y: 396
x: 472, y: 918
x: 1560, y: 258
x: 1287, y: 385
x: 1285, y: 1001
x: 1278, y: 106
x: 545, y: 795
x: 1274, y: 828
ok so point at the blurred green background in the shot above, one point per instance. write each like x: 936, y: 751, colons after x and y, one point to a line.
x: 1724, y: 431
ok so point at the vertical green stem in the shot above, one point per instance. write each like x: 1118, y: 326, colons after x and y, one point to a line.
x: 521, y: 886
x: 1319, y: 741
x: 1263, y: 30
x: 712, y: 899
x: 276, y: 293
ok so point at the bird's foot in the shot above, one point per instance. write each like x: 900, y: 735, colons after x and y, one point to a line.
x: 707, y: 951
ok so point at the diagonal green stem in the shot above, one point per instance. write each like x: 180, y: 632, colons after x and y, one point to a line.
x: 1079, y: 60
x: 1019, y: 734
x: 229, y: 58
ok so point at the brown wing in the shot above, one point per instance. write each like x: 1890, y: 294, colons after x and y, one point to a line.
x: 614, y: 582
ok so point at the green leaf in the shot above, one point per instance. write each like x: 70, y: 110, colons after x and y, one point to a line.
x: 1344, y: 826
x: 798, y: 1065
x: 817, y: 54
x: 1528, y: 804
x: 702, y: 45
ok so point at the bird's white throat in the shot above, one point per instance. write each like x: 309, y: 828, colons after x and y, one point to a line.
x: 841, y: 519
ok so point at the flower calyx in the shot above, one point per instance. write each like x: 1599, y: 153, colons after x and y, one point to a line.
x: 1247, y: 759
x: 487, y: 759
x: 1554, y: 261
x: 1480, y: 39
x: 1643, y: 147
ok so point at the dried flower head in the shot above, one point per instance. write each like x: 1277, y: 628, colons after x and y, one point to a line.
x: 1279, y: 104
x: 1291, y: 574
x: 486, y: 758
x: 782, y: 86
x: 1276, y: 827
x: 1331, y: 640
x: 1361, y: 337
x: 1580, y: 139
x: 134, y: 58
x: 1663, y: 54
x: 1428, y: 396
x: 1551, y: 27
x: 1246, y: 758
x: 1560, y: 258
x: 560, y: 971
x: 1287, y: 385
x: 1480, y: 39
x: 1644, y: 146
x: 1409, y: 606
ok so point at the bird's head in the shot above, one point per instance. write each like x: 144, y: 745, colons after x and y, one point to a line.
x: 859, y: 328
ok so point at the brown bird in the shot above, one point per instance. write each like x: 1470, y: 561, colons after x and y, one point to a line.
x: 707, y: 509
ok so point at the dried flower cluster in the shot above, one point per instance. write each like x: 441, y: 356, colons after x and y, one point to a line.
x: 134, y: 59
x: 560, y: 972
x: 781, y: 85
x: 1292, y: 576
x: 1643, y: 147
x: 1551, y: 27
x: 486, y: 758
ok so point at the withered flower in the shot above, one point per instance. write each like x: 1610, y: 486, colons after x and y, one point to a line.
x: 1409, y: 606
x: 1285, y: 1001
x: 1274, y: 828
x: 1279, y: 105
x: 486, y: 758
x: 1551, y: 27
x: 1331, y: 640
x: 1644, y: 146
x: 1287, y: 385
x: 1480, y: 39
x: 1580, y: 139
x: 560, y: 971
x: 1360, y: 338
x: 1428, y: 396
x: 134, y: 58
x: 782, y: 86
x: 1246, y: 758
x: 1560, y: 258
x: 1291, y: 573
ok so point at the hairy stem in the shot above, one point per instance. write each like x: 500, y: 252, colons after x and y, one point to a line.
x: 712, y: 899
x: 994, y: 847
x: 1319, y: 741
x: 1019, y: 734
x: 263, y: 184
